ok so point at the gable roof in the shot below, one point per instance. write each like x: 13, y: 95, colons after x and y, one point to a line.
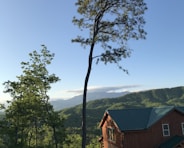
x: 172, y: 142
x: 140, y: 118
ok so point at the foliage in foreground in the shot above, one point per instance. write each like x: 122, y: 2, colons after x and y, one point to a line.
x: 30, y: 120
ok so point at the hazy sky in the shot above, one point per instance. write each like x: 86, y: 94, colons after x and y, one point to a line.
x: 156, y: 62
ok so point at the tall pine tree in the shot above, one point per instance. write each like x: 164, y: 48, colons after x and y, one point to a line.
x: 109, y: 24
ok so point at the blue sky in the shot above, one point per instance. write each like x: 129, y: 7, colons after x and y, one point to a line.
x: 155, y: 62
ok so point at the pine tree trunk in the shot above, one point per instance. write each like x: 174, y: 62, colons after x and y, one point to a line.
x: 85, y: 97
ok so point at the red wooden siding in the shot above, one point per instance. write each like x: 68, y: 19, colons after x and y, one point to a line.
x: 149, y: 138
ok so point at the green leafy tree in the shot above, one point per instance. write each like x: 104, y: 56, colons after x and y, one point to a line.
x: 58, y: 129
x: 30, y: 118
x: 94, y: 143
x: 73, y: 141
x: 110, y: 24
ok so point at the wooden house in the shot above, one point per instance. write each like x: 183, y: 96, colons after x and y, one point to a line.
x: 161, y: 127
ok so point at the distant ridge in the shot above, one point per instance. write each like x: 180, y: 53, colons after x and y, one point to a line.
x: 60, y: 104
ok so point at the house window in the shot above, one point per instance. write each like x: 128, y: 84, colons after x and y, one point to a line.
x: 165, y: 130
x: 182, y: 127
x: 111, y: 134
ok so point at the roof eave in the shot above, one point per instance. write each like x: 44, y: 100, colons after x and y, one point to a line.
x: 103, y: 119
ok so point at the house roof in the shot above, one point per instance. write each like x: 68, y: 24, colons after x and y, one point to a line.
x: 172, y: 142
x: 142, y: 118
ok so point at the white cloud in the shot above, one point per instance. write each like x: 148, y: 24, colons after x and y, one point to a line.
x: 65, y: 94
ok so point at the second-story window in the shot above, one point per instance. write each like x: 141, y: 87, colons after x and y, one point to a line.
x: 165, y: 130
x: 111, y: 134
x: 182, y: 127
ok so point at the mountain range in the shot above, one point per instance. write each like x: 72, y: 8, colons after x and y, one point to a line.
x: 60, y: 104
